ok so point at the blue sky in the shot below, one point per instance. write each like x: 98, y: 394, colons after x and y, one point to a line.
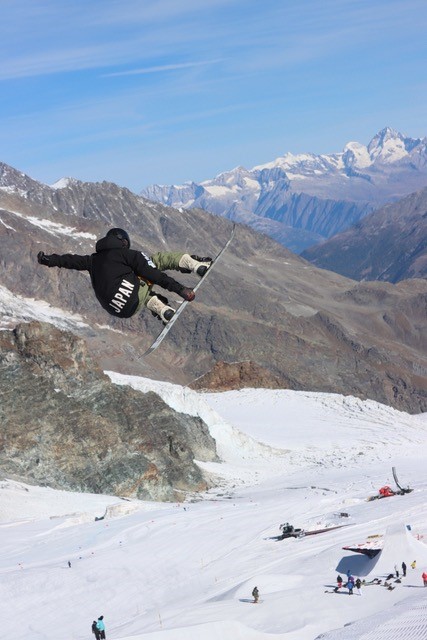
x: 141, y: 91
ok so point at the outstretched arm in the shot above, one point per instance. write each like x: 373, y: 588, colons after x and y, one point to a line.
x: 66, y: 261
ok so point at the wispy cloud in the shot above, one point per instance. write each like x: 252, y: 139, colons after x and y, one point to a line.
x: 161, y: 35
x: 108, y: 77
x: 161, y: 68
x: 48, y: 37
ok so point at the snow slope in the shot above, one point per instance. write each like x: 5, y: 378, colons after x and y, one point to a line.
x: 186, y: 571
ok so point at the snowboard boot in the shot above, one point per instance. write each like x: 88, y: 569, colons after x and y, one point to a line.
x: 194, y: 264
x: 158, y: 306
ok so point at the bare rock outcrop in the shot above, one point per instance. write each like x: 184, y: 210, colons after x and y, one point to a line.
x: 239, y: 375
x: 64, y: 424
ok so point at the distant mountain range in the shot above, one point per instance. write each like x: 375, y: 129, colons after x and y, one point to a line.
x: 389, y: 244
x: 301, y: 200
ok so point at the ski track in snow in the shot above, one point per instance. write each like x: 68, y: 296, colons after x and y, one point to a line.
x: 166, y: 571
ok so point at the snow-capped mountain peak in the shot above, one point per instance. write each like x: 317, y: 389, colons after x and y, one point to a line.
x: 356, y: 155
x: 63, y: 183
x: 388, y: 146
x: 321, y: 194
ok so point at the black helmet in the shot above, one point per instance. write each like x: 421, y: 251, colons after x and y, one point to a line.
x: 122, y: 235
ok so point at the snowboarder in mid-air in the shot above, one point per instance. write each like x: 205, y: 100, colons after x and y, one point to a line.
x: 123, y: 278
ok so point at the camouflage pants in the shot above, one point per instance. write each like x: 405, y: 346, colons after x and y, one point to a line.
x: 163, y: 260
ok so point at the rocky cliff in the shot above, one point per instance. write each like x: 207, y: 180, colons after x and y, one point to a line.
x: 65, y: 425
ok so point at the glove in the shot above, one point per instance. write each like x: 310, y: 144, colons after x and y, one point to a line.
x: 187, y: 293
x: 199, y: 259
x: 42, y: 258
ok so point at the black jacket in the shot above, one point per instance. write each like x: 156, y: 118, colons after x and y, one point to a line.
x: 114, y: 273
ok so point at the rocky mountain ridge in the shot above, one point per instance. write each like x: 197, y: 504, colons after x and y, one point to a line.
x: 389, y: 244
x: 301, y: 200
x: 307, y: 327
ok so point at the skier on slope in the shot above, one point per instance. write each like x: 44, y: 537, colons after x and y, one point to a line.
x: 123, y: 278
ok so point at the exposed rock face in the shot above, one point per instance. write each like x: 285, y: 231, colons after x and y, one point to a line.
x: 64, y: 424
x: 389, y: 244
x: 239, y: 375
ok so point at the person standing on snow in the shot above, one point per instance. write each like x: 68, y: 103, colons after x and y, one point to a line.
x: 101, y: 627
x: 339, y: 584
x: 424, y: 577
x: 255, y: 594
x: 95, y: 630
x: 123, y: 278
x: 413, y: 564
x: 404, y: 569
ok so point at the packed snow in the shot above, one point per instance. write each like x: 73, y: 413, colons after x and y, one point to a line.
x: 186, y: 570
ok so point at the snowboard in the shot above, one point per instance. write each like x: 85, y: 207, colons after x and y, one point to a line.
x: 162, y: 335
